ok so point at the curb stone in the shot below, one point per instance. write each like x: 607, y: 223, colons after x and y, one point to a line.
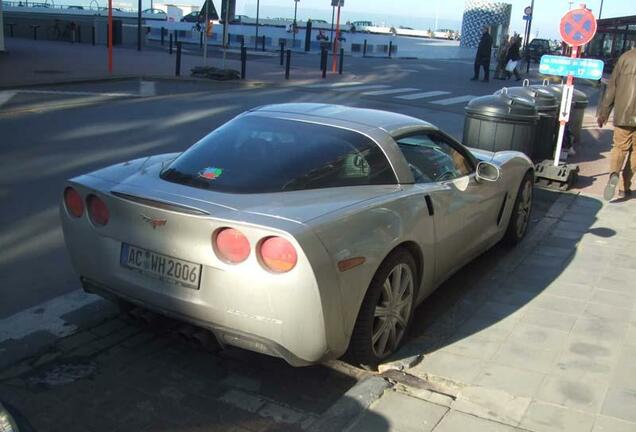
x: 350, y: 406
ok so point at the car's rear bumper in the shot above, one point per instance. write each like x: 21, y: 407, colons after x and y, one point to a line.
x: 224, y: 335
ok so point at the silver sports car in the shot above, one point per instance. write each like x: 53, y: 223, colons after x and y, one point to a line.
x: 296, y: 230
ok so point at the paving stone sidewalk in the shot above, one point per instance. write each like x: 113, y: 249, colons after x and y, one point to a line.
x: 550, y: 345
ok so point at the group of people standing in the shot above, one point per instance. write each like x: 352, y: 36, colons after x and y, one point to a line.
x: 508, y: 57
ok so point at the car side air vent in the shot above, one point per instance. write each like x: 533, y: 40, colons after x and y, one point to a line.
x: 161, y: 204
x: 501, y: 210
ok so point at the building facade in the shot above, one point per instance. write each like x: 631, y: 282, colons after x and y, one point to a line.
x: 480, y: 13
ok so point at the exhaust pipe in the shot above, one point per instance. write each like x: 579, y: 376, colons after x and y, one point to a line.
x: 206, y: 340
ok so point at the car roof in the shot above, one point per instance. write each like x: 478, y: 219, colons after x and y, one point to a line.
x: 330, y: 114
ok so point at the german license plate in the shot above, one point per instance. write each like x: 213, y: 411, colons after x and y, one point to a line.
x: 159, y: 266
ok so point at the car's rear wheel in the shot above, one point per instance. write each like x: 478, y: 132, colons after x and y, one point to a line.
x: 520, y: 217
x: 386, y: 311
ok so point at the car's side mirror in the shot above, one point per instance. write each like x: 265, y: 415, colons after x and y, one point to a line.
x: 487, y: 172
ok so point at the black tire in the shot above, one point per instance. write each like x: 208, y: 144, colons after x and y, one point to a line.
x: 518, y: 222
x: 362, y: 349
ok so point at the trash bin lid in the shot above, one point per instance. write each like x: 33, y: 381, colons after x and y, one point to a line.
x: 579, y: 98
x: 541, y: 98
x: 503, y: 106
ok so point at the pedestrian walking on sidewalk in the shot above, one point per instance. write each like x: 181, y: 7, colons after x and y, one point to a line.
x: 482, y: 59
x: 512, y: 60
x: 621, y: 97
x: 502, y: 55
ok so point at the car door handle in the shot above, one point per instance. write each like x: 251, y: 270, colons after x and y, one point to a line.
x: 429, y: 205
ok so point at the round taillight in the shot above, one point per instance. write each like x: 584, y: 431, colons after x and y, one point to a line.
x: 278, y: 255
x: 231, y: 245
x: 73, y: 201
x: 97, y: 210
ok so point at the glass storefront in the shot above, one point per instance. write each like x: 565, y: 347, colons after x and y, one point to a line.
x: 613, y: 37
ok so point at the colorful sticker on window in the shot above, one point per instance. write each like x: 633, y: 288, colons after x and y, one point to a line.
x: 211, y: 173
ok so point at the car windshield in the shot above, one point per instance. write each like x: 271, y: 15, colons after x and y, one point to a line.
x: 255, y: 154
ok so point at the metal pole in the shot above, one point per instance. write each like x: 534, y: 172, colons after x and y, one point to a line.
x: 110, y: 36
x: 162, y: 36
x: 341, y: 61
x: 139, y: 25
x: 226, y: 30
x: 170, y: 49
x: 336, y: 41
x: 258, y: 6
x: 323, y: 63
x: 390, y: 47
x: 282, y: 52
x: 559, y: 143
x: 333, y: 14
x: 364, y: 49
x: 243, y: 61
x: 600, y: 11
x: 294, y: 26
x: 287, y: 64
x: 528, y: 37
x: 205, y: 37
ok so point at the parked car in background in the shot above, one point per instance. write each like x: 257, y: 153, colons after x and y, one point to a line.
x: 443, y: 34
x: 296, y: 230
x: 537, y: 48
x: 192, y: 17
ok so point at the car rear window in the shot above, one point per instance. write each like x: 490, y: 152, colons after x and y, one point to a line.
x: 254, y: 154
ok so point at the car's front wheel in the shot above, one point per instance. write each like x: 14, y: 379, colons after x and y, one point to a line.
x: 386, y: 311
x: 520, y: 217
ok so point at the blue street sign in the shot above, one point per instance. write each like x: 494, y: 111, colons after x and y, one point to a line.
x: 527, y: 17
x: 577, y: 67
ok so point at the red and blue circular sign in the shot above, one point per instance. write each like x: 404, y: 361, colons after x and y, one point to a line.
x: 578, y: 27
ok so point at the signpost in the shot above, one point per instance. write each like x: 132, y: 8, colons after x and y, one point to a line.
x: 577, y: 28
x: 110, y: 36
x: 336, y: 40
x: 577, y: 67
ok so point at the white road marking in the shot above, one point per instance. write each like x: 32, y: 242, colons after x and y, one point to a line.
x: 364, y: 87
x: 75, y: 93
x: 330, y: 85
x: 5, y: 96
x: 422, y: 95
x: 46, y: 317
x: 390, y: 91
x: 147, y: 88
x: 454, y: 100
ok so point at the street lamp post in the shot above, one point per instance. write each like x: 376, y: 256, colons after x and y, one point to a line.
x: 294, y: 25
x: 258, y: 6
x: 600, y: 11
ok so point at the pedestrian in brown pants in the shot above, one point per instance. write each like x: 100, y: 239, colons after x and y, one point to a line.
x: 621, y: 96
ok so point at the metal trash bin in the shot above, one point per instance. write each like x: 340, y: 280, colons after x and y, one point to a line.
x: 577, y: 113
x: 500, y: 122
x: 547, y: 107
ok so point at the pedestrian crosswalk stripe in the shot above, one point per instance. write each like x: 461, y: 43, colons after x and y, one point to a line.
x: 454, y: 100
x: 390, y: 91
x: 364, y: 87
x: 334, y: 85
x: 422, y: 95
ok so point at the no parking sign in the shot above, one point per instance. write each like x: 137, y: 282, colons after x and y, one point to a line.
x: 578, y: 27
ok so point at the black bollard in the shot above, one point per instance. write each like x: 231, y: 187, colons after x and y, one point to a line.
x: 322, y: 58
x: 201, y: 40
x: 324, y: 55
x: 364, y: 49
x: 35, y: 31
x: 177, y: 70
x: 341, y: 61
x: 79, y: 33
x: 282, y: 52
x: 287, y: 64
x: 390, y: 48
x: 243, y: 61
x: 93, y: 35
x: 242, y: 42
x: 162, y: 35
x: 11, y: 28
x: 308, y: 35
x: 229, y: 38
x: 170, y: 46
x: 263, y: 45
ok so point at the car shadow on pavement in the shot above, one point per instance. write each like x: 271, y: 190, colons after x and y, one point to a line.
x: 475, y: 311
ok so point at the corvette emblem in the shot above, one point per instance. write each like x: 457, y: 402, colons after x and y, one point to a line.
x: 154, y: 223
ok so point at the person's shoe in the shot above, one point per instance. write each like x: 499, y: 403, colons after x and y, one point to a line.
x: 610, y: 189
x: 474, y: 79
x: 625, y: 194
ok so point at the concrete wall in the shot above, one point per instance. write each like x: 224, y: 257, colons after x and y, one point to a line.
x: 479, y: 13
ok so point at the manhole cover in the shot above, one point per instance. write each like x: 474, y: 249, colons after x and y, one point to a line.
x: 49, y: 71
